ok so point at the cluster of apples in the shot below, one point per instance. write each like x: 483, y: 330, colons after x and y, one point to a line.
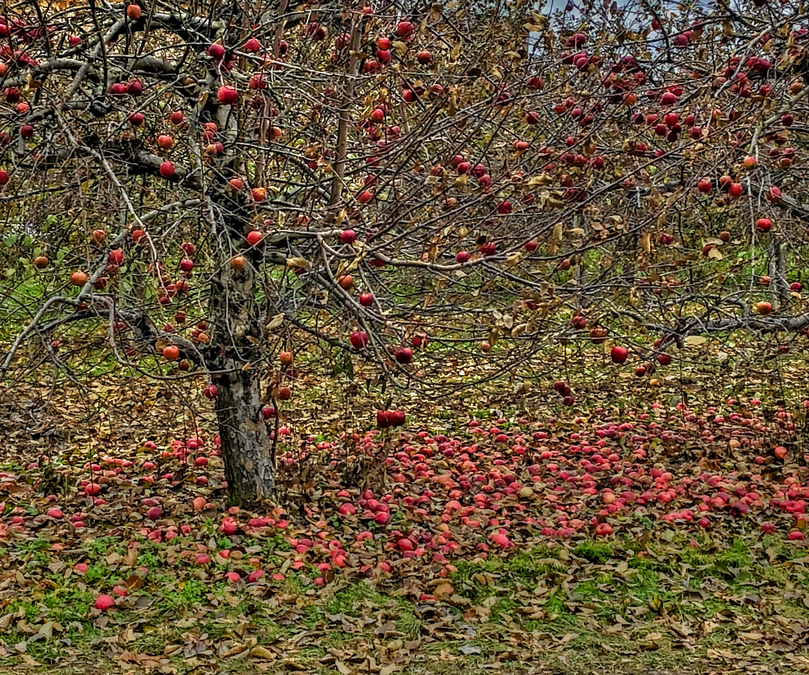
x: 564, y: 390
x: 485, y: 489
x: 390, y: 418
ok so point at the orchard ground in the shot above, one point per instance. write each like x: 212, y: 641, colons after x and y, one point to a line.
x: 651, y: 527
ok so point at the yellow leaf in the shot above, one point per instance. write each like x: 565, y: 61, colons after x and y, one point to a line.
x: 646, y: 243
x: 655, y: 199
x: 262, y: 653
x: 540, y: 180
x: 513, y: 258
x: 443, y: 589
x: 297, y: 262
x: 275, y: 322
x: 452, y: 108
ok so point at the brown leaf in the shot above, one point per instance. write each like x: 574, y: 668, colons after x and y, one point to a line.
x: 260, y: 652
x: 443, y: 590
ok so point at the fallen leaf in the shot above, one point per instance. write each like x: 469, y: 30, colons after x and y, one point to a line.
x: 260, y: 652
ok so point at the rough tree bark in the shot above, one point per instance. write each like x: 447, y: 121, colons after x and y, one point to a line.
x: 236, y: 331
x: 249, y: 465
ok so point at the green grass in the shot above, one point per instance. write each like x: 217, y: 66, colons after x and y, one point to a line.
x: 313, y: 616
x: 149, y: 559
x: 352, y: 599
x: 595, y: 552
x: 33, y: 545
x: 176, y: 596
x: 539, y: 591
x: 67, y: 604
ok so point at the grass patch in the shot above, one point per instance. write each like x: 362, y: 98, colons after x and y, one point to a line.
x: 595, y: 552
x: 352, y: 599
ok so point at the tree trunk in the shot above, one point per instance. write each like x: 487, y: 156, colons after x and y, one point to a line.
x: 249, y: 465
x: 345, y: 120
x: 236, y: 336
x: 777, y: 264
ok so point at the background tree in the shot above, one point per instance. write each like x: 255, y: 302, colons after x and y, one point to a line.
x: 211, y: 188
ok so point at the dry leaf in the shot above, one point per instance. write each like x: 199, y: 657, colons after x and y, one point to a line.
x: 260, y: 652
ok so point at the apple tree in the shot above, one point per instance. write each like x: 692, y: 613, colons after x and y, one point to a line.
x: 200, y: 188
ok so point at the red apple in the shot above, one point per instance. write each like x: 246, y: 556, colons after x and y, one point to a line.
x: 404, y: 355
x: 419, y: 340
x: 104, y: 602
x: 227, y: 95
x: 252, y: 45
x: 404, y: 29
x: 359, y: 339
x: 619, y: 354
x: 396, y: 418
x: 666, y: 239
